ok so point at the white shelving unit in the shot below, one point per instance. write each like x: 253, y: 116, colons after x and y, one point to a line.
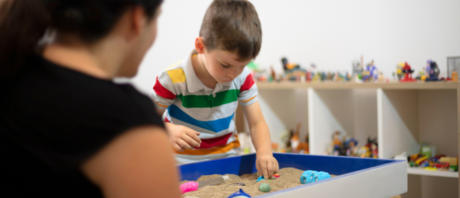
x: 418, y: 171
x: 401, y: 115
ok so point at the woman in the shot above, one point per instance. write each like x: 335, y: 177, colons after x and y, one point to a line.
x: 66, y: 130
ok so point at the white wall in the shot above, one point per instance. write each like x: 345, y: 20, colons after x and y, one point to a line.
x: 330, y: 33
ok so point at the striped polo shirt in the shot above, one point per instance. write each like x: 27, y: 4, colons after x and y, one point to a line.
x: 211, y: 112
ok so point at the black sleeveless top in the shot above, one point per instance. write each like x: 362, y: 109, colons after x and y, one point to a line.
x: 52, y: 119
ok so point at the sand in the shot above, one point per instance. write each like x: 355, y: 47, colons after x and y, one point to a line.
x: 289, y: 177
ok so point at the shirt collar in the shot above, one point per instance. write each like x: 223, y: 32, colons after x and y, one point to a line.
x: 194, y: 84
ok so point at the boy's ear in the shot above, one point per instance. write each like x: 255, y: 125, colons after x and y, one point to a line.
x: 199, y: 45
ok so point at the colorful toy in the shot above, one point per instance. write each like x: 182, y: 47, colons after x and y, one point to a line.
x: 357, y: 70
x: 193, y: 186
x: 276, y: 175
x: 352, y: 149
x: 453, y: 65
x: 310, y: 176
x: 239, y: 194
x: 307, y: 177
x: 431, y: 168
x: 407, y: 73
x: 399, y: 69
x: 263, y: 178
x: 432, y: 71
x: 293, y: 72
x: 264, y: 187
x: 454, y: 76
x: 322, y: 176
x: 371, y: 73
x: 260, y: 178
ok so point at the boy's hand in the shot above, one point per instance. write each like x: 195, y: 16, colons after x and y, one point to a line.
x: 182, y: 137
x: 266, y: 165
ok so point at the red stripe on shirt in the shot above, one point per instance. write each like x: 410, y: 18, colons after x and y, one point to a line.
x: 162, y: 91
x: 248, y: 83
x: 166, y: 120
x: 213, y: 142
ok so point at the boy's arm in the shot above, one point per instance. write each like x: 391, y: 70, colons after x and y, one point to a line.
x: 164, y: 95
x: 181, y: 137
x: 266, y: 164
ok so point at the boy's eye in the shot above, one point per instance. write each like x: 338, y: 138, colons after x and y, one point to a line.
x: 225, y: 66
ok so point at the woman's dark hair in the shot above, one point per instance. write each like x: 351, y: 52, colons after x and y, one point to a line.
x: 24, y: 22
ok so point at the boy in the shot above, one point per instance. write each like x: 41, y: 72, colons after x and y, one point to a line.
x: 198, y: 97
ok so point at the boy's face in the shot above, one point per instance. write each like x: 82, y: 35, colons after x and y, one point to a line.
x: 224, y: 66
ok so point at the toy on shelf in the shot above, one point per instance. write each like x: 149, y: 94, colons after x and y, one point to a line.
x: 421, y: 76
x: 453, y: 65
x: 357, y: 70
x: 428, y: 160
x: 399, y: 71
x: 407, y: 70
x: 293, y: 72
x: 371, y: 72
x: 342, y: 146
x: 294, y: 145
x: 370, y: 150
x: 352, y: 149
x: 337, y: 143
x: 454, y: 76
x: 373, y: 147
x: 432, y: 71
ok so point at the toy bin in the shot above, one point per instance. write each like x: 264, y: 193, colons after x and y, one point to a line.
x: 356, y: 177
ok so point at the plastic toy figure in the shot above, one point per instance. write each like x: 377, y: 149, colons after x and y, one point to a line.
x: 407, y: 70
x: 357, y: 69
x: 371, y: 72
x: 364, y: 152
x: 372, y: 148
x: 336, y: 141
x: 432, y: 71
x: 323, y: 76
x: 292, y: 71
x: 352, y: 149
x: 399, y: 70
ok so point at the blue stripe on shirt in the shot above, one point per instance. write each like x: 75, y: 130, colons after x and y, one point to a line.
x: 214, y: 125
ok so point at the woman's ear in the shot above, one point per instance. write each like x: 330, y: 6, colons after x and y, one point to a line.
x: 133, y: 23
x: 199, y: 45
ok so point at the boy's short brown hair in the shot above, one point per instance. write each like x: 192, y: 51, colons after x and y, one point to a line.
x: 232, y: 25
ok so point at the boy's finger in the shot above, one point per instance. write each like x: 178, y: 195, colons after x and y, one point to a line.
x: 193, y: 134
x: 264, y: 169
x: 275, y: 166
x: 259, y: 171
x: 184, y: 144
x: 191, y: 141
x: 178, y: 147
x: 270, y: 169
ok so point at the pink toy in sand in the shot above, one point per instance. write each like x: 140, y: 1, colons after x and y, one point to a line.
x: 193, y: 186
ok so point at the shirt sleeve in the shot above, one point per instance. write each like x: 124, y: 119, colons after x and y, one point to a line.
x: 248, y: 90
x: 163, y: 93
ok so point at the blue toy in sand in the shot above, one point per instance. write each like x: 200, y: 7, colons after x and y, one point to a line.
x: 260, y: 178
x: 310, y: 176
x: 239, y: 194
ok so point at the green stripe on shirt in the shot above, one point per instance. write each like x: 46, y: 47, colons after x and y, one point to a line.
x: 208, y: 101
